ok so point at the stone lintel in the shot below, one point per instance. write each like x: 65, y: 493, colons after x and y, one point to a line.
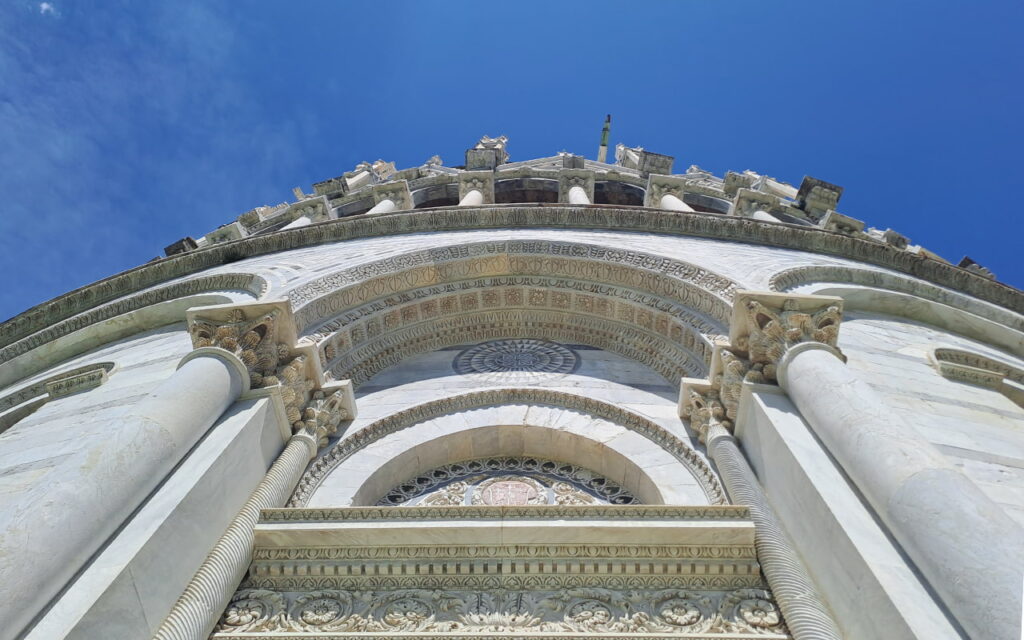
x: 568, y: 178
x: 181, y: 246
x: 332, y: 187
x: 482, y: 181
x: 226, y: 233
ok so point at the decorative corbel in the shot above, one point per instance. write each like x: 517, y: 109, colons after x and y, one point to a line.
x: 699, y: 402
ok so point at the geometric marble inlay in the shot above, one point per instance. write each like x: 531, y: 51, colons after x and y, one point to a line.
x: 516, y: 361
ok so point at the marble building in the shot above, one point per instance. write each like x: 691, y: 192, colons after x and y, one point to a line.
x: 548, y: 398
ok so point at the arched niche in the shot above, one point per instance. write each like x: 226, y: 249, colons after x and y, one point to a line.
x: 672, y: 467
x: 648, y: 472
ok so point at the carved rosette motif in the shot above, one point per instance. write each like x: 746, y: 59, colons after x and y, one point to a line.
x: 594, y: 611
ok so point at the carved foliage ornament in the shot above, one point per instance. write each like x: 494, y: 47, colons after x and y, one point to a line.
x: 597, y: 611
x: 772, y: 332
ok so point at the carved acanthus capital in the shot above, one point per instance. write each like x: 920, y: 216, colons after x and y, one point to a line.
x: 700, y: 403
x: 315, y: 209
x: 748, y: 201
x: 482, y: 181
x: 262, y: 336
x: 568, y: 178
x: 326, y: 409
x: 765, y: 326
x: 660, y: 185
x: 397, y: 192
x: 250, y: 333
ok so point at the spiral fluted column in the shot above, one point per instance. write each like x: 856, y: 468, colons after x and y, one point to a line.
x: 207, y: 595
x: 806, y: 615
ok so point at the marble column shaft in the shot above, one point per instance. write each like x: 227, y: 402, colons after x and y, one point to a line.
x: 673, y: 203
x: 578, y: 195
x: 969, y: 549
x: 301, y: 221
x: 207, y: 595
x: 112, y: 479
x: 384, y: 206
x: 806, y: 615
x: 473, y: 198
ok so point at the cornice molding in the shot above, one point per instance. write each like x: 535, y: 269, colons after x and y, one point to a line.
x: 692, y: 224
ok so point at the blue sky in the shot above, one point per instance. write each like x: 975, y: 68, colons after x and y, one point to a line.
x: 127, y: 125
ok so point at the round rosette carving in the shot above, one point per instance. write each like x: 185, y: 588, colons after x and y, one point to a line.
x: 407, y: 614
x: 683, y: 611
x: 322, y: 609
x: 516, y: 361
x: 252, y: 610
x: 589, y: 615
x: 753, y: 610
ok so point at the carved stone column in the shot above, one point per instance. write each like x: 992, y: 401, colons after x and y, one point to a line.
x: 968, y: 548
x: 806, y: 614
x: 200, y: 606
x: 108, y: 480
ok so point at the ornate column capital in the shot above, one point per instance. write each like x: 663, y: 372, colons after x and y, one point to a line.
x: 660, y: 185
x: 263, y: 336
x: 765, y: 325
x: 315, y: 209
x: 748, y: 201
x: 482, y: 181
x: 701, y: 404
x: 568, y: 178
x: 397, y: 192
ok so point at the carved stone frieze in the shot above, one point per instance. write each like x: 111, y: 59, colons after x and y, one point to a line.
x: 690, y: 224
x: 541, y: 613
x: 665, y: 355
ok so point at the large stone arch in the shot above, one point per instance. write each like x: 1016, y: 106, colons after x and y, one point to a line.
x: 667, y: 357
x: 351, y: 444
x: 800, y: 278
x: 624, y: 457
x: 551, y: 288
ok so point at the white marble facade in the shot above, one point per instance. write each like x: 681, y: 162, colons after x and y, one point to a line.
x: 466, y: 420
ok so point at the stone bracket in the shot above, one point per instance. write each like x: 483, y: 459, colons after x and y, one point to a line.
x: 568, y: 178
x: 835, y: 221
x: 316, y: 209
x: 482, y: 181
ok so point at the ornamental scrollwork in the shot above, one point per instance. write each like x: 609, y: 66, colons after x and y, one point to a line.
x: 588, y: 610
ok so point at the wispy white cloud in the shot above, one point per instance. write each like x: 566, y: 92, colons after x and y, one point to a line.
x: 46, y: 8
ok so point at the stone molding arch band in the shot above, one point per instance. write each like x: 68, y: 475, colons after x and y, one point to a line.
x: 350, y: 445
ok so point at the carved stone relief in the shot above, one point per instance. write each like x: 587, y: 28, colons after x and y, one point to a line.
x: 507, y: 481
x: 595, y: 612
